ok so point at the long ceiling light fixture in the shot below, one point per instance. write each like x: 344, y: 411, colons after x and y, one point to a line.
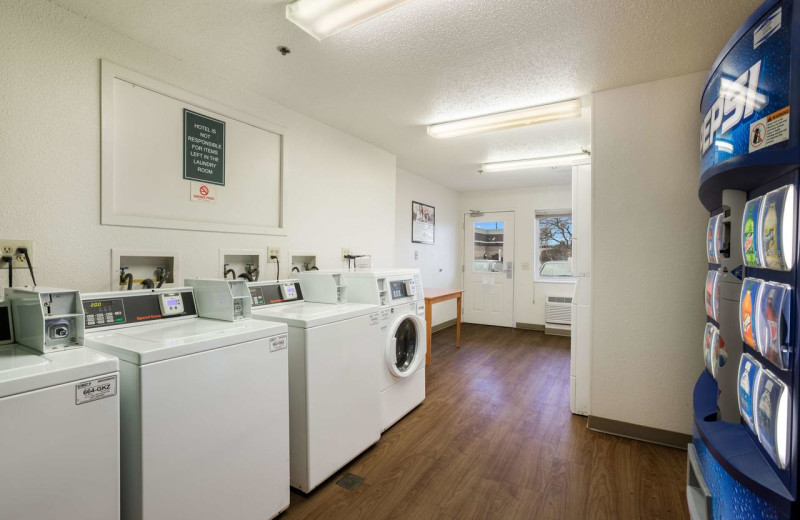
x: 505, y: 120
x: 539, y: 162
x: 324, y: 18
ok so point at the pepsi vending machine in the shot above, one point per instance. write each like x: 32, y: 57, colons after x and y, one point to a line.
x: 743, y: 459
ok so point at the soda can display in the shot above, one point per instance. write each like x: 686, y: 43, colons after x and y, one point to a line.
x: 751, y: 238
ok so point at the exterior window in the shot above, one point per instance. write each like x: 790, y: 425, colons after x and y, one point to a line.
x: 554, y: 247
x: 488, y: 237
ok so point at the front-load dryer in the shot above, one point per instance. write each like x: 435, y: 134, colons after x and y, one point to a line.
x: 204, y: 407
x: 59, y: 432
x: 334, y: 409
x: 403, y: 338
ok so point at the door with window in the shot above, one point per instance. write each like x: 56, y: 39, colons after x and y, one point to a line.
x: 489, y: 268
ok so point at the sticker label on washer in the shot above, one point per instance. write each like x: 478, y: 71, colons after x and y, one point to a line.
x: 95, y: 389
x: 278, y: 343
x: 373, y: 319
x: 384, y: 314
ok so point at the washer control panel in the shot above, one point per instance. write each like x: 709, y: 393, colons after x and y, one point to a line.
x: 102, y: 312
x: 171, y: 303
x: 288, y: 291
x: 402, y: 289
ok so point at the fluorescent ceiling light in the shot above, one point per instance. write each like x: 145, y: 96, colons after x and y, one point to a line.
x: 323, y: 18
x: 539, y: 162
x: 505, y: 120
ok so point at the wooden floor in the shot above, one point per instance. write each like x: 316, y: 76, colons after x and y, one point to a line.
x: 495, y: 439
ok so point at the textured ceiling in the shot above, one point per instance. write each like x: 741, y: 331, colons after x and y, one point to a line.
x: 430, y: 61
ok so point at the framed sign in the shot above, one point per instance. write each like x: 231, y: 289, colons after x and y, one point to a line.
x: 200, y: 165
x: 203, y: 148
x: 423, y: 223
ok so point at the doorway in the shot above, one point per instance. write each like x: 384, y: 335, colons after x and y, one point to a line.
x: 489, y: 268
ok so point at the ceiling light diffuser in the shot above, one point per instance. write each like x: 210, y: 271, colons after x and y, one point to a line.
x: 324, y: 18
x: 539, y: 162
x: 505, y: 120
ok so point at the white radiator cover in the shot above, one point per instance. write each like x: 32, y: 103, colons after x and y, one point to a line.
x: 558, y: 310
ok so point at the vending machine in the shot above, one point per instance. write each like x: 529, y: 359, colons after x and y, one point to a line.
x: 743, y: 459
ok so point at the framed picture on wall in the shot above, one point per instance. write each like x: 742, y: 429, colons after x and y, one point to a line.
x: 423, y: 223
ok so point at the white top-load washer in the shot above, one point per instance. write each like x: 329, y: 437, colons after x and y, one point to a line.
x: 334, y: 411
x: 403, y: 340
x: 59, y: 422
x: 204, y: 407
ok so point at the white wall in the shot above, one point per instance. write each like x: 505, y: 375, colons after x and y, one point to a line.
x: 439, y: 264
x: 647, y: 257
x: 50, y: 142
x: 529, y: 297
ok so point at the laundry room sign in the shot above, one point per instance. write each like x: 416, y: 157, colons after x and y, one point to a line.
x: 203, y: 148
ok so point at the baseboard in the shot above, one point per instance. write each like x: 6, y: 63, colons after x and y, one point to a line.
x: 639, y: 433
x: 557, y: 332
x: 529, y: 326
x: 443, y: 325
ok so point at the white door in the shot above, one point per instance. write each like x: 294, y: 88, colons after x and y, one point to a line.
x: 489, y: 268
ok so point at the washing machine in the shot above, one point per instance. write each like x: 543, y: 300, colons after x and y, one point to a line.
x: 334, y: 410
x: 59, y: 428
x: 204, y: 406
x: 403, y: 335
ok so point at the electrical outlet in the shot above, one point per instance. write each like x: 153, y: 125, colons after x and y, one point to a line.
x: 526, y: 266
x: 416, y: 255
x: 345, y: 252
x: 273, y: 251
x: 10, y: 247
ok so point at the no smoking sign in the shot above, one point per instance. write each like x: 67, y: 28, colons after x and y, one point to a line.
x: 202, y: 192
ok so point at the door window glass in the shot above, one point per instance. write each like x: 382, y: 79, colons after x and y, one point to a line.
x: 488, y: 249
x: 405, y: 344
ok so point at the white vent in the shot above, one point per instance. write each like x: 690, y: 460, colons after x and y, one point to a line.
x: 558, y: 310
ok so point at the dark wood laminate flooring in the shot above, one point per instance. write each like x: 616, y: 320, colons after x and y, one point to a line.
x: 495, y: 439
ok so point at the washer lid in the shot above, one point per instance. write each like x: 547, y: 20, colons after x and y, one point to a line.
x: 159, y: 341
x: 306, y: 314
x: 24, y: 370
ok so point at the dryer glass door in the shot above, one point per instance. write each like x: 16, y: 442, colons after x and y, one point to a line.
x: 406, y: 345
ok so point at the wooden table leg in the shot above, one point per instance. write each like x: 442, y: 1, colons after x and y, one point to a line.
x: 429, y: 321
x: 458, y: 322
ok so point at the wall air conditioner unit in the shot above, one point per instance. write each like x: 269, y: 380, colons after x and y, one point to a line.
x: 558, y: 315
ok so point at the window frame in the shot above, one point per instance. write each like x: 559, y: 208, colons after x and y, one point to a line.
x: 537, y: 265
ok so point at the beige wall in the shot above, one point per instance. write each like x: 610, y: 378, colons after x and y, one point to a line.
x: 438, y: 263
x: 50, y: 142
x: 648, y: 263
x: 529, y: 296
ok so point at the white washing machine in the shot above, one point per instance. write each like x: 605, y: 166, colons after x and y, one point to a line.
x: 59, y: 432
x: 403, y: 340
x: 204, y: 407
x: 334, y: 411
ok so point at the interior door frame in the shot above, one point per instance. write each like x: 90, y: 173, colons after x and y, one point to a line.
x: 514, y: 260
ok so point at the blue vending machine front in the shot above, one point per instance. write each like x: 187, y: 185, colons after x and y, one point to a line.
x: 743, y: 459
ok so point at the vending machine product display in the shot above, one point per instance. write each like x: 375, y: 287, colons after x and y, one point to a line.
x: 750, y: 236
x: 745, y: 465
x: 772, y: 417
x: 749, y: 371
x: 712, y: 295
x: 772, y: 319
x: 777, y: 229
x: 747, y: 304
x: 708, y: 338
x: 714, y: 239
